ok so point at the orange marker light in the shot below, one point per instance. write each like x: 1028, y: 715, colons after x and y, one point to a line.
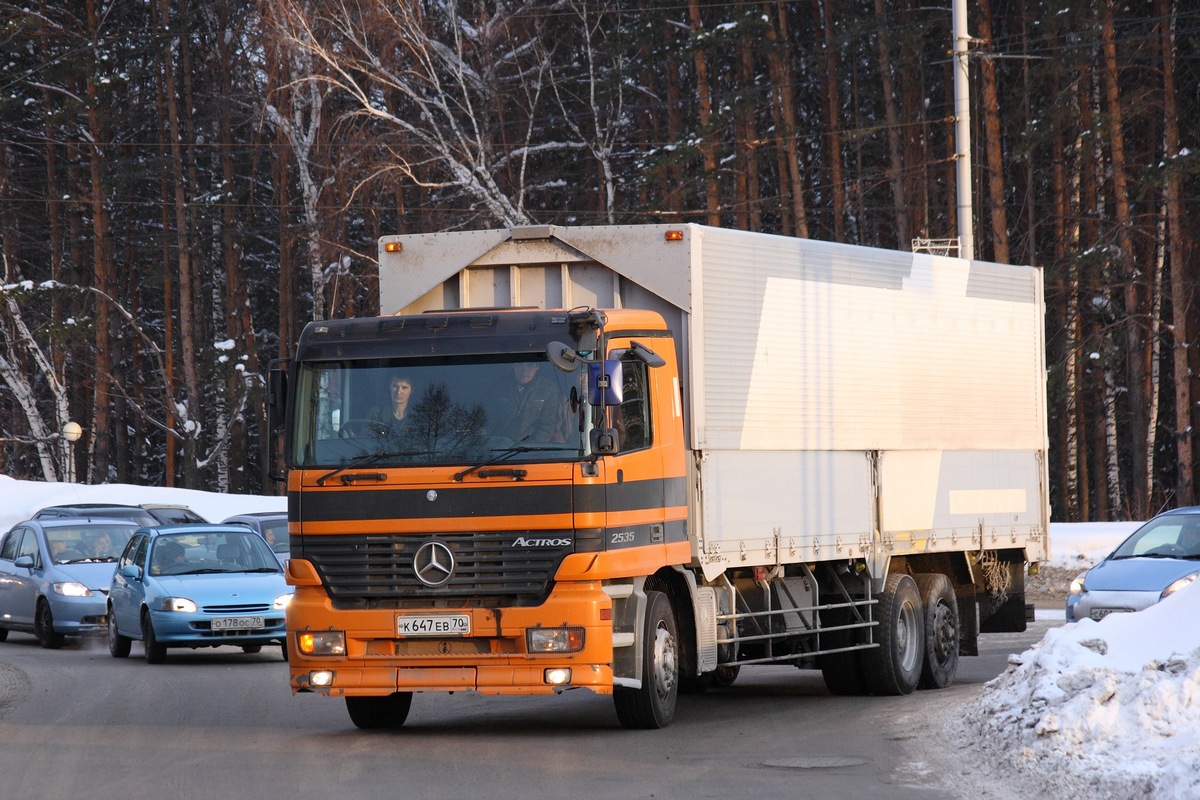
x: 674, y: 236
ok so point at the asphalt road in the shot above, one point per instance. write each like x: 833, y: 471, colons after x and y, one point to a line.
x: 77, y: 724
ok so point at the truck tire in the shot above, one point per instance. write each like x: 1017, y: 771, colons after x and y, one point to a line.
x: 726, y: 675
x: 941, y: 630
x: 894, y: 667
x: 653, y: 705
x: 374, y: 713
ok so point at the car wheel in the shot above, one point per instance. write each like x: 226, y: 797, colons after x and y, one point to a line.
x: 941, y: 631
x: 251, y: 648
x: 43, y: 627
x: 3, y: 634
x: 156, y: 653
x: 372, y: 713
x: 118, y: 645
x: 653, y: 705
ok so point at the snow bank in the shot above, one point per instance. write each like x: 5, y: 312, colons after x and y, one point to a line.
x: 1082, y: 544
x: 20, y: 500
x: 1107, y: 709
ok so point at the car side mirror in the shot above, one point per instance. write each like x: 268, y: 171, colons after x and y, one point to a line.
x: 24, y: 561
x: 131, y: 571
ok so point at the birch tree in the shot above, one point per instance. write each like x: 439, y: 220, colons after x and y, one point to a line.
x: 418, y: 73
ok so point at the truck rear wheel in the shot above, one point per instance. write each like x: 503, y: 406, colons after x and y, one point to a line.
x: 372, y: 713
x: 653, y: 705
x: 894, y: 667
x: 941, y: 630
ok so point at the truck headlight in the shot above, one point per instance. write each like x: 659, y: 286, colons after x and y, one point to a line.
x: 322, y: 643
x: 553, y: 640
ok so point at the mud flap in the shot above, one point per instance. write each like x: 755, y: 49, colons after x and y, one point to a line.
x: 1008, y: 615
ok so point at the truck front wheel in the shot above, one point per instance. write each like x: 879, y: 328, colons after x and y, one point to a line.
x: 371, y: 713
x: 653, y: 705
x: 894, y: 667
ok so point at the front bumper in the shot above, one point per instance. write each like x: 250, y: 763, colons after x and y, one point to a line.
x: 492, y: 659
x: 176, y: 629
x: 1096, y: 605
x: 78, y: 616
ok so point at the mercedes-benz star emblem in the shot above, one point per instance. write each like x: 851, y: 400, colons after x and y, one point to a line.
x: 433, y: 563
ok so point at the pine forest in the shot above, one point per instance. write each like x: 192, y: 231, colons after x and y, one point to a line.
x: 185, y: 183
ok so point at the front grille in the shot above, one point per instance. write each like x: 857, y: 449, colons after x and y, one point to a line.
x: 487, y: 565
x: 246, y: 608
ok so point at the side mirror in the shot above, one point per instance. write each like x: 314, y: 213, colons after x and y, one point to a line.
x: 25, y: 562
x: 562, y: 357
x: 276, y: 399
x: 646, y: 355
x: 606, y: 384
x: 131, y: 571
x: 604, y: 441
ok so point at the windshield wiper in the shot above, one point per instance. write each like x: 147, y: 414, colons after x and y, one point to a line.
x: 506, y: 454
x: 369, y: 458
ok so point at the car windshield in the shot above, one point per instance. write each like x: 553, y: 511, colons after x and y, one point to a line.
x: 166, y: 515
x: 84, y: 543
x: 211, y: 552
x: 1168, y: 536
x: 437, y: 412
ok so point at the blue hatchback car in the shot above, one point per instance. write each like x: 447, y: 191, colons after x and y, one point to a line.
x: 55, y: 574
x: 197, y: 586
x: 1157, y: 560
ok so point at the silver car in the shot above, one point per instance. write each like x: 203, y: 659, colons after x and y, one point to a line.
x: 55, y: 574
x: 1157, y: 560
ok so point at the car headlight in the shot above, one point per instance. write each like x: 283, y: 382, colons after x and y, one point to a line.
x: 282, y: 601
x: 178, y: 604
x: 72, y: 589
x: 1186, y: 580
x: 1078, y: 586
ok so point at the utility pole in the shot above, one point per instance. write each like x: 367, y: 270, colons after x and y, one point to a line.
x: 962, y: 131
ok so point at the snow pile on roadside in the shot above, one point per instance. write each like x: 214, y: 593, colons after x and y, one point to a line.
x: 20, y: 500
x: 1082, y: 544
x: 1110, y: 709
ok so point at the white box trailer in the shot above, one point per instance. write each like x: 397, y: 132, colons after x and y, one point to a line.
x: 840, y: 401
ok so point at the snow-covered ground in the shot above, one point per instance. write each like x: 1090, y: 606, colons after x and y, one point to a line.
x: 1096, y: 709
x: 1104, y: 710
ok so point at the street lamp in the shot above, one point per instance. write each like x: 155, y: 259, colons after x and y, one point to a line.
x: 54, y: 446
x: 71, y: 433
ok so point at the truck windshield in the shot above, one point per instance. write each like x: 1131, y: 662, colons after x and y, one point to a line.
x: 436, y: 412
